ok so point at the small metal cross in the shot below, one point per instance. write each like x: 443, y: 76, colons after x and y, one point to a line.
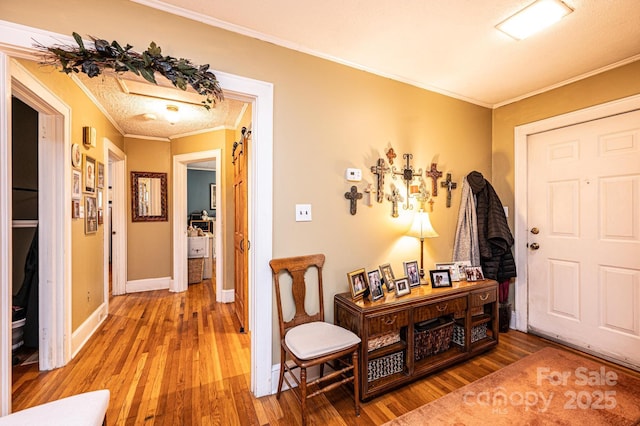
x: 394, y: 197
x: 434, y: 174
x: 450, y: 185
x: 391, y: 154
x: 353, y: 196
x: 379, y: 170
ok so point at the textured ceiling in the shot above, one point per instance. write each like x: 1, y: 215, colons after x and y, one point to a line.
x: 138, y: 108
x: 448, y: 46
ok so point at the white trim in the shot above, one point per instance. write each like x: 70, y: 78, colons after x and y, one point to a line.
x: 19, y: 40
x: 118, y: 218
x: 521, y: 134
x: 84, y: 332
x: 148, y: 284
x: 54, y: 201
x: 6, y: 232
x: 227, y: 296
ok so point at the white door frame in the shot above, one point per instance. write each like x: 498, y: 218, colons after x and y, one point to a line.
x: 118, y: 228
x: 54, y: 196
x: 180, y: 275
x: 521, y: 173
x: 18, y: 39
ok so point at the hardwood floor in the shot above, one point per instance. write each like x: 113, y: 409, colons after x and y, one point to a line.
x: 177, y: 359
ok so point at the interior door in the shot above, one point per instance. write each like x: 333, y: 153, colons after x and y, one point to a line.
x: 584, y: 235
x: 241, y: 244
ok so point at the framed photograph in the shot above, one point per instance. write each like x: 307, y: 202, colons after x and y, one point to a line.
x: 76, y: 185
x: 474, y: 273
x: 412, y: 272
x: 375, y: 284
x: 91, y: 215
x: 357, y: 283
x: 462, y: 265
x: 89, y: 174
x: 440, y: 278
x: 387, y: 276
x: 100, y: 217
x: 402, y: 286
x: 453, y: 270
x: 213, y: 196
x: 75, y: 209
x: 99, y: 194
x: 100, y: 183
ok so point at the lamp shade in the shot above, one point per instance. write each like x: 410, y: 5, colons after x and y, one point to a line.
x: 421, y: 226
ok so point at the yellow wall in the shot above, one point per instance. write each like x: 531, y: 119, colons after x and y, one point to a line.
x: 327, y: 117
x: 149, y: 248
x: 87, y: 250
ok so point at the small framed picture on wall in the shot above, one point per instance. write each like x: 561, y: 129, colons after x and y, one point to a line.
x: 89, y: 174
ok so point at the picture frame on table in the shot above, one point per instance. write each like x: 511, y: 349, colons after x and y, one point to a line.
x: 402, y: 286
x: 454, y: 272
x: 375, y: 285
x: 387, y: 276
x: 474, y: 273
x: 440, y: 278
x: 358, y: 283
x: 89, y: 172
x: 462, y: 265
x: 412, y: 272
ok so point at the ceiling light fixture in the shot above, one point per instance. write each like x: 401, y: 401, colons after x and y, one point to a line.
x: 533, y: 18
x: 172, y: 114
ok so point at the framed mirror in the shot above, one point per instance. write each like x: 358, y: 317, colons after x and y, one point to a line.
x: 149, y: 197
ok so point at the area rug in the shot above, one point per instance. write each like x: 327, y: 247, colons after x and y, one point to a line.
x: 548, y: 387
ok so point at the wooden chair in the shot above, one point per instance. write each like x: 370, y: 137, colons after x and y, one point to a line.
x: 308, y: 341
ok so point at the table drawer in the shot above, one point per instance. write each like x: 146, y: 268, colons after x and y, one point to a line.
x: 483, y: 297
x: 438, y: 309
x: 387, y: 322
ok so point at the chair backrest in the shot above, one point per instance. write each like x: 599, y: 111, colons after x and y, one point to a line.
x: 297, y: 267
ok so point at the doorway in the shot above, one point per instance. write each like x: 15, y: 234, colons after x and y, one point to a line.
x: 583, y: 294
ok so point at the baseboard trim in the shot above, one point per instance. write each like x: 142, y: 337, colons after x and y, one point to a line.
x: 228, y: 296
x: 148, y: 284
x: 83, y: 333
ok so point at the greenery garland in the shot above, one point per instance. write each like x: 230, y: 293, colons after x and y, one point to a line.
x: 181, y: 72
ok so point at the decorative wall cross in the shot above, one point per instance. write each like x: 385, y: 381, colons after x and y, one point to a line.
x: 368, y: 191
x: 434, y: 174
x: 423, y: 195
x: 353, y: 196
x: 379, y: 170
x: 408, y: 174
x: 391, y: 154
x: 394, y: 197
x: 450, y: 185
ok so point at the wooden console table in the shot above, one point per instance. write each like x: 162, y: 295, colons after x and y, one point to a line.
x: 473, y: 306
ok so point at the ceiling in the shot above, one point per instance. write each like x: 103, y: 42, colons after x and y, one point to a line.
x: 450, y: 47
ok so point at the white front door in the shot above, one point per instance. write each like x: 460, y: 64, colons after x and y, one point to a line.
x: 584, y: 235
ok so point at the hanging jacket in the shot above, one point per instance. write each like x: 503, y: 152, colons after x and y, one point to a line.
x: 465, y: 244
x: 494, y: 236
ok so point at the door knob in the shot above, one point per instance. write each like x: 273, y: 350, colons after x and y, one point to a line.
x: 534, y: 246
x: 535, y: 231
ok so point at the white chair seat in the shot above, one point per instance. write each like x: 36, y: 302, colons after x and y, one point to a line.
x: 85, y: 409
x: 315, y: 339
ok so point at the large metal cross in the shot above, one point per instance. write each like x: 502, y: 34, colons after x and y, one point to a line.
x: 408, y: 174
x: 379, y: 170
x: 450, y: 185
x: 353, y: 196
x: 434, y: 174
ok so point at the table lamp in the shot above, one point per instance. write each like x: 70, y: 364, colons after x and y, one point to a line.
x: 422, y: 228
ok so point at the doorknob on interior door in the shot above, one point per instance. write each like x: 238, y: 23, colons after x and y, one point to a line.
x: 535, y: 231
x: 534, y: 246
